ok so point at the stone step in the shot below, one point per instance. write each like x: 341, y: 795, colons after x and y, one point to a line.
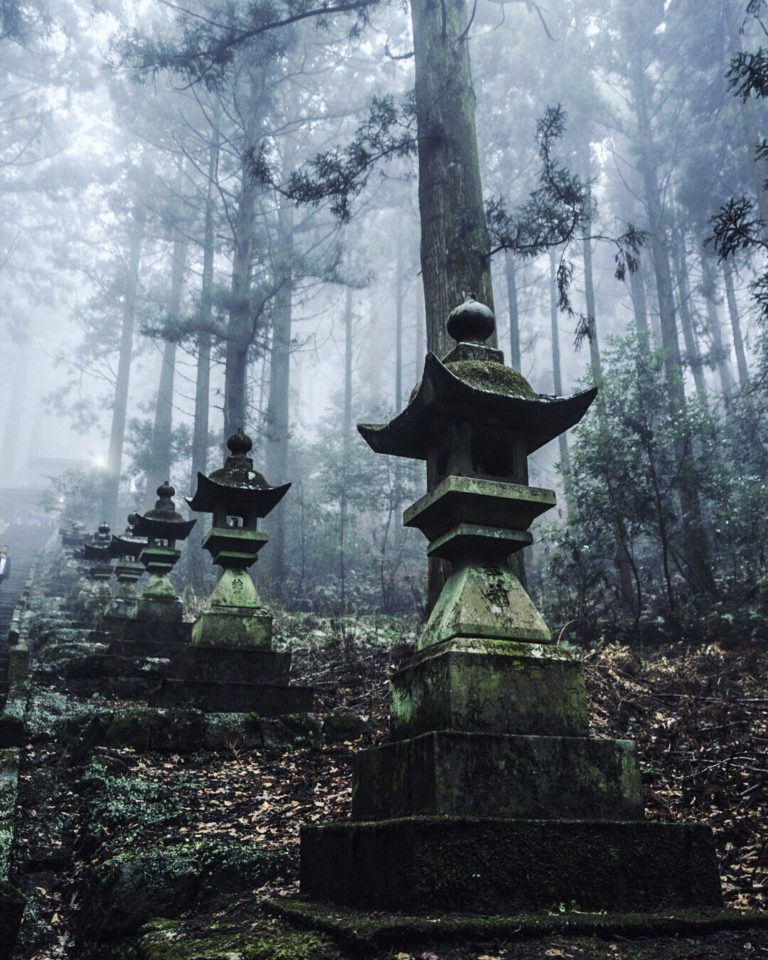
x: 500, y: 866
x: 475, y: 774
x: 265, y: 700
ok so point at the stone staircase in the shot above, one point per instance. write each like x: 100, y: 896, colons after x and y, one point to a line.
x: 25, y: 543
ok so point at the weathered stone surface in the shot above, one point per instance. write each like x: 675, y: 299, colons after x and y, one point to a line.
x: 236, y: 628
x: 265, y: 700
x: 158, y: 631
x: 498, y: 866
x: 487, y: 686
x: 11, y: 900
x: 475, y: 774
x: 485, y: 601
x: 245, y: 665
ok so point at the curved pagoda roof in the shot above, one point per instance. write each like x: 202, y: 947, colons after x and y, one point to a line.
x: 236, y: 485
x: 482, y: 390
x: 163, y: 522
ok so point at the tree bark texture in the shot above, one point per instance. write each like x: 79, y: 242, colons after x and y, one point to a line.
x: 738, y: 338
x: 510, y: 273
x: 454, y: 238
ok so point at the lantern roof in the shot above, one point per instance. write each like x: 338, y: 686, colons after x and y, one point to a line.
x: 236, y: 485
x: 473, y: 385
x: 163, y: 522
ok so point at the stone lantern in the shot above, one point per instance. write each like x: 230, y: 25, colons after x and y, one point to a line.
x: 126, y: 550
x: 162, y: 527
x: 491, y: 797
x: 230, y: 664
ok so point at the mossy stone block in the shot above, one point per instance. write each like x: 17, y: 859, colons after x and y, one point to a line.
x: 497, y: 866
x: 266, y: 700
x: 480, y: 774
x: 483, y: 686
x: 234, y: 665
x: 156, y: 630
x: 234, y: 628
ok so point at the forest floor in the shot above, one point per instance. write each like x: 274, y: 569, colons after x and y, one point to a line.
x: 144, y: 820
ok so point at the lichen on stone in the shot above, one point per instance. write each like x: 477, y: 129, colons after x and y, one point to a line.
x: 492, y: 377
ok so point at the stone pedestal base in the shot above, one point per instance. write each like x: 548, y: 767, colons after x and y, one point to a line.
x: 489, y: 686
x: 477, y: 774
x: 236, y: 627
x: 152, y: 635
x: 497, y: 866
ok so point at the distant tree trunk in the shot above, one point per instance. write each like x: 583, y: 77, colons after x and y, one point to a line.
x: 163, y: 426
x: 686, y: 322
x: 16, y: 404
x: 420, y: 331
x: 510, y: 273
x: 738, y: 339
x: 240, y: 330
x: 120, y: 409
x: 623, y: 558
x: 278, y: 419
x: 557, y: 376
x: 640, y: 309
x: 346, y: 444
x: 709, y: 292
x: 696, y: 545
x: 195, y: 558
x: 454, y: 238
x: 399, y: 324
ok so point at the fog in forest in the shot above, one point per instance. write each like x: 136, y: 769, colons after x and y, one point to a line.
x: 210, y: 218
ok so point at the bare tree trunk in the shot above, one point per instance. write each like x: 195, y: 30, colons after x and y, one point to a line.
x: 738, y: 339
x: 510, y: 272
x: 399, y: 324
x: 278, y: 419
x: 640, y: 309
x: 120, y: 409
x: 686, y: 322
x: 454, y: 238
x: 195, y: 562
x: 697, y: 547
x: 346, y: 444
x: 623, y: 559
x: 557, y: 376
x: 709, y: 292
x: 163, y: 426
x: 15, y: 410
x: 240, y: 330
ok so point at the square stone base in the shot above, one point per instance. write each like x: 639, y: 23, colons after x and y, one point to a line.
x: 238, y: 665
x: 490, y: 686
x: 155, y: 631
x: 481, y: 774
x: 245, y: 627
x: 265, y: 700
x: 497, y: 866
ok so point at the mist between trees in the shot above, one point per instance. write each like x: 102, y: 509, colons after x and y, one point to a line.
x: 260, y: 214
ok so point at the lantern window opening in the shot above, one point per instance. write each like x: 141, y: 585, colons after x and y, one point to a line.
x: 234, y: 521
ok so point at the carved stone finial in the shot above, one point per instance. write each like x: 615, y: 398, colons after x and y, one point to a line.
x: 471, y: 321
x: 104, y: 529
x: 239, y: 443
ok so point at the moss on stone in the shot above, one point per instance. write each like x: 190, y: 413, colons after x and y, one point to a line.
x: 264, y: 938
x: 493, y: 378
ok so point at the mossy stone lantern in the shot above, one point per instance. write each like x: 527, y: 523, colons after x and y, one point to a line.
x: 491, y: 797
x: 96, y: 554
x: 230, y: 664
x: 126, y: 550
x: 162, y: 527
x: 238, y: 497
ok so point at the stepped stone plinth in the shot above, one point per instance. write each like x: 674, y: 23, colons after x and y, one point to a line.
x: 97, y: 593
x: 128, y: 570
x: 491, y: 796
x: 230, y: 664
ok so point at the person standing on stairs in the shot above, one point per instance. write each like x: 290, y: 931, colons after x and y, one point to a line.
x: 5, y: 563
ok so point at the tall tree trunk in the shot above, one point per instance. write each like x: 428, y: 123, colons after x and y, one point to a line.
x: 240, y: 328
x: 346, y: 445
x: 557, y: 376
x: 686, y: 322
x: 399, y: 324
x: 195, y: 558
x: 696, y: 544
x: 709, y: 292
x: 623, y: 559
x: 277, y: 419
x: 16, y: 404
x: 733, y: 312
x: 120, y: 409
x: 510, y: 272
x: 163, y: 426
x: 640, y: 309
x: 420, y: 331
x: 454, y: 238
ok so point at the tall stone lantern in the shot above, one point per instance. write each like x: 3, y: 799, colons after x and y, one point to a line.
x: 126, y: 550
x: 491, y: 797
x: 162, y: 527
x: 230, y: 664
x: 96, y: 555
